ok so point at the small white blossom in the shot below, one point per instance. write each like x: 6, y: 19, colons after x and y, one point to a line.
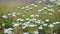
x: 32, y: 25
x: 4, y: 16
x: 57, y: 22
x: 16, y: 25
x: 36, y: 32
x: 18, y: 7
x: 51, y: 25
x: 23, y: 7
x: 54, y: 33
x: 40, y: 2
x: 25, y: 33
x: 32, y: 15
x: 41, y: 27
x: 47, y: 20
x: 45, y: 24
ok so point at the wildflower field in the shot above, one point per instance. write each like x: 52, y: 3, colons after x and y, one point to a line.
x: 33, y: 18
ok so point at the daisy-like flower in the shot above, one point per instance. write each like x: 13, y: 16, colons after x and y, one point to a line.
x: 54, y: 23
x: 9, y: 14
x: 39, y: 10
x: 52, y: 0
x: 4, y: 16
x: 27, y: 18
x: 36, y: 32
x: 10, y: 29
x: 18, y: 7
x: 18, y: 13
x: 23, y: 7
x: 14, y: 14
x: 51, y: 26
x: 47, y: 20
x: 16, y: 25
x: 6, y: 31
x: 45, y: 24
x: 32, y: 15
x: 32, y: 25
x: 23, y: 15
x: 54, y: 33
x: 35, y: 6
x: 18, y: 19
x: 32, y: 4
x: 27, y: 7
x: 45, y: 8
x: 3, y: 24
x: 22, y: 20
x: 58, y: 10
x: 38, y: 21
x: 37, y: 15
x: 30, y: 8
x: 41, y: 27
x: 25, y: 33
x: 50, y: 14
x: 57, y: 22
x: 40, y: 2
x: 51, y: 10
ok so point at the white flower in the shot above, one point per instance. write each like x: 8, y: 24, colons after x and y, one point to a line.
x: 23, y: 7
x: 39, y: 10
x: 40, y: 2
x: 38, y: 21
x: 16, y: 25
x: 14, y: 14
x: 18, y: 19
x: 47, y: 20
x: 45, y: 8
x: 51, y: 25
x: 54, y: 23
x: 6, y: 31
x: 58, y: 3
x: 50, y: 14
x: 57, y: 22
x: 54, y: 33
x: 25, y: 33
x: 4, y: 16
x: 23, y: 15
x: 58, y: 10
x: 30, y: 8
x: 41, y: 27
x: 18, y: 7
x: 3, y: 24
x: 45, y: 24
x: 51, y: 10
x: 35, y: 6
x: 22, y: 20
x: 24, y: 27
x: 36, y: 32
x: 18, y: 13
x: 37, y: 15
x: 27, y: 7
x: 52, y: 0
x: 32, y: 25
x: 27, y: 18
x: 32, y: 15
x: 32, y: 4
x: 10, y: 29
x: 9, y: 14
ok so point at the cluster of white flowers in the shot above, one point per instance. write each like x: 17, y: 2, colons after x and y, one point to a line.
x: 32, y: 18
x: 8, y: 31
